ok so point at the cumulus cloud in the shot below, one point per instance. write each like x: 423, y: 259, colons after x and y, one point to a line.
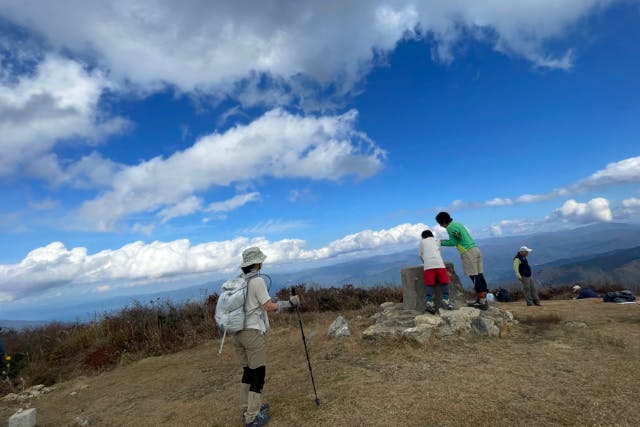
x: 278, y: 144
x: 59, y: 101
x: 52, y: 268
x: 570, y: 213
x: 631, y: 207
x: 594, y: 210
x: 625, y: 171
x: 204, y: 44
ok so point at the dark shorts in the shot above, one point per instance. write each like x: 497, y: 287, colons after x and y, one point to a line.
x: 435, y: 276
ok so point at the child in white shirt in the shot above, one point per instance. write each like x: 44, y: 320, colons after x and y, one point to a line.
x: 435, y: 273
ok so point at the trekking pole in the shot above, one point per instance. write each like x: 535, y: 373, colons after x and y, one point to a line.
x: 304, y: 341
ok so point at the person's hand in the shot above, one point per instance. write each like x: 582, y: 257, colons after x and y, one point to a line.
x: 520, y: 280
x: 294, y: 300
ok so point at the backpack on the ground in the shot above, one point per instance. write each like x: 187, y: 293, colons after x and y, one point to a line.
x: 619, y: 296
x: 503, y: 296
x: 230, y: 310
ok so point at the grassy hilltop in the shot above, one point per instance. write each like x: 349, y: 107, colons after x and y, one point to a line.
x: 566, y: 363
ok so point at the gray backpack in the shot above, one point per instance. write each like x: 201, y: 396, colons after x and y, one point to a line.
x: 230, y: 310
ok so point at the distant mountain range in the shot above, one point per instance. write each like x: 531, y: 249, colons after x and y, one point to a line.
x: 590, y: 253
x: 619, y: 266
x: 550, y: 249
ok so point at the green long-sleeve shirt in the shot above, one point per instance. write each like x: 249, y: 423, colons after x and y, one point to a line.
x: 458, y: 237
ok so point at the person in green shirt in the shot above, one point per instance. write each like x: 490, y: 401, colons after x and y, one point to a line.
x: 469, y: 254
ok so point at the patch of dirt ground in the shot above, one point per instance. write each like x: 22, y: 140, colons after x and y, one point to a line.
x: 548, y: 370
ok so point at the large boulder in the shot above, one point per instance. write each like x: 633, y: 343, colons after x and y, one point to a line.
x: 413, y: 289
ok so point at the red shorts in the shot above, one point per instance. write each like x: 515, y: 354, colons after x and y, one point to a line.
x: 436, y: 275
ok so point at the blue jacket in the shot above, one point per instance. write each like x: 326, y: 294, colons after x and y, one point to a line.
x: 586, y: 293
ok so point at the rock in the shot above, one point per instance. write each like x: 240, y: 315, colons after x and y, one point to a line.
x: 379, y: 331
x: 458, y: 321
x: 414, y: 293
x: 26, y: 418
x: 81, y: 421
x: 30, y: 393
x: 339, y: 328
x: 428, y: 319
x: 484, y: 326
x: 574, y: 324
x: 420, y: 333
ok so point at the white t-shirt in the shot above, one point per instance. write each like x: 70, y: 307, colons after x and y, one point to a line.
x: 430, y: 253
x: 257, y: 295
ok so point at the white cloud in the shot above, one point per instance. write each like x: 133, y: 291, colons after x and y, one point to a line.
x: 278, y: 144
x: 617, y: 173
x: 514, y: 226
x: 622, y: 172
x: 570, y: 213
x: 198, y: 45
x: 631, y: 207
x: 274, y: 226
x: 233, y: 203
x: 594, y: 210
x: 193, y: 204
x: 59, y: 101
x: 53, y: 268
x: 187, y: 206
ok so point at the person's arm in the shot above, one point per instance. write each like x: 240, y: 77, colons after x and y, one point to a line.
x: 280, y: 305
x: 267, y: 303
x: 516, y: 268
x: 453, y: 237
x: 421, y: 251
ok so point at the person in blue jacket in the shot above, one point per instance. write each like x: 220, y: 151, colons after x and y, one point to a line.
x: 582, y: 293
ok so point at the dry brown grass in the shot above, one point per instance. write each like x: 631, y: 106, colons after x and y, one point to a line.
x: 554, y: 375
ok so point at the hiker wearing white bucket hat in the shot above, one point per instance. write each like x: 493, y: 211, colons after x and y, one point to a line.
x: 250, y: 343
x: 523, y: 273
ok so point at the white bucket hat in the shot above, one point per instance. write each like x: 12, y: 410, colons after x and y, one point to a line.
x: 524, y: 249
x: 252, y: 256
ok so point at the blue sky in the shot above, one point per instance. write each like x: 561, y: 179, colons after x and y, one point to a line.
x: 142, y: 143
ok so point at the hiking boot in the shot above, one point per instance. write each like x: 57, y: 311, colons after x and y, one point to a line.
x: 447, y: 305
x: 529, y: 304
x: 264, y: 408
x: 430, y: 307
x: 479, y: 305
x: 537, y: 303
x: 262, y: 419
